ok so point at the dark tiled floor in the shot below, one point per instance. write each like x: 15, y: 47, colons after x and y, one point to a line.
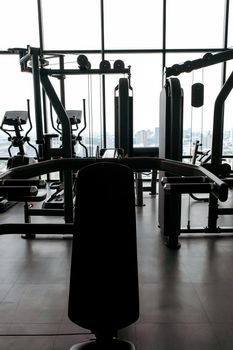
x: 186, y: 296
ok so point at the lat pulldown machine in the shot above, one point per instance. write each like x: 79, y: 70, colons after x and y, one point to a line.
x: 41, y: 76
x: 171, y: 113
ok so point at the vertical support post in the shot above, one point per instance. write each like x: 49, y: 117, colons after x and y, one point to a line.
x: 37, y: 99
x: 164, y: 35
x: 103, y: 76
x: 66, y: 145
x: 212, y: 213
x: 139, y: 189
x: 41, y: 39
x: 27, y: 219
x: 218, y: 123
x: 62, y: 82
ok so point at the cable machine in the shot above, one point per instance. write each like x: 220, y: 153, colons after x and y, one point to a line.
x: 32, y: 61
x: 169, y: 99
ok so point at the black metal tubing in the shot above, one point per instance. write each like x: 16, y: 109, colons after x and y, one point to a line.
x: 220, y: 189
x: 62, y: 81
x: 18, y: 191
x: 175, y: 188
x: 58, y: 107
x: 164, y: 33
x: 131, y: 51
x: 40, y: 24
x: 37, y: 98
x: 66, y: 144
x: 217, y: 138
x: 56, y: 72
x: 184, y: 179
x: 29, y: 228
x: 207, y: 60
x: 124, y: 123
x: 103, y: 76
x: 226, y: 23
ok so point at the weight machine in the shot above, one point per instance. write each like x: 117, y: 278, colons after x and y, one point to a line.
x: 196, y: 179
x: 115, y: 302
x: 32, y: 61
x: 171, y: 110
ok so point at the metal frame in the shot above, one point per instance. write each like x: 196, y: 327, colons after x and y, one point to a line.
x: 200, y: 180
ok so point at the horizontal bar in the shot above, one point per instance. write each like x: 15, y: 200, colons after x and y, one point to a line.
x: 22, y: 182
x: 29, y: 228
x: 14, y: 51
x: 175, y: 188
x: 225, y: 211
x: 45, y: 211
x: 136, y: 163
x: 183, y: 179
x: 18, y: 191
x: 59, y: 72
x: 114, y: 51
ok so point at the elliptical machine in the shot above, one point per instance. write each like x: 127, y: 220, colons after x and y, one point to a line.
x: 13, y: 122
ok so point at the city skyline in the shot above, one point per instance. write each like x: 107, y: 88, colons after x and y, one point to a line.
x: 142, y: 138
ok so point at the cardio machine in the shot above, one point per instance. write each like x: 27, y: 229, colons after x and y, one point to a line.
x: 13, y: 122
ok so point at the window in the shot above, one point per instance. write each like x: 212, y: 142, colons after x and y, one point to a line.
x: 133, y: 24
x: 192, y: 28
x: 18, y: 88
x: 71, y: 24
x: 195, y: 24
x: 18, y: 24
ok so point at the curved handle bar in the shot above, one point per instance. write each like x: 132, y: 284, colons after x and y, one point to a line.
x: 138, y: 164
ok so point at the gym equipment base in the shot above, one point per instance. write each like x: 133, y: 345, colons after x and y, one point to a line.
x: 112, y: 344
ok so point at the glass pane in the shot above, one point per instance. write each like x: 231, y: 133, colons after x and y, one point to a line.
x: 230, y: 26
x: 146, y: 81
x: 18, y: 24
x: 228, y: 117
x: 197, y: 121
x: 18, y: 87
x: 71, y: 24
x: 133, y: 24
x: 195, y: 24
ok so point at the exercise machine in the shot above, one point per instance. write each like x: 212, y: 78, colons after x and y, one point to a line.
x: 12, y: 125
x: 13, y: 122
x: 41, y: 76
x: 170, y: 147
x: 123, y: 117
x: 215, y: 162
x: 199, y: 180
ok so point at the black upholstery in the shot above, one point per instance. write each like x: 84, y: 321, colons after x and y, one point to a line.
x: 103, y: 293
